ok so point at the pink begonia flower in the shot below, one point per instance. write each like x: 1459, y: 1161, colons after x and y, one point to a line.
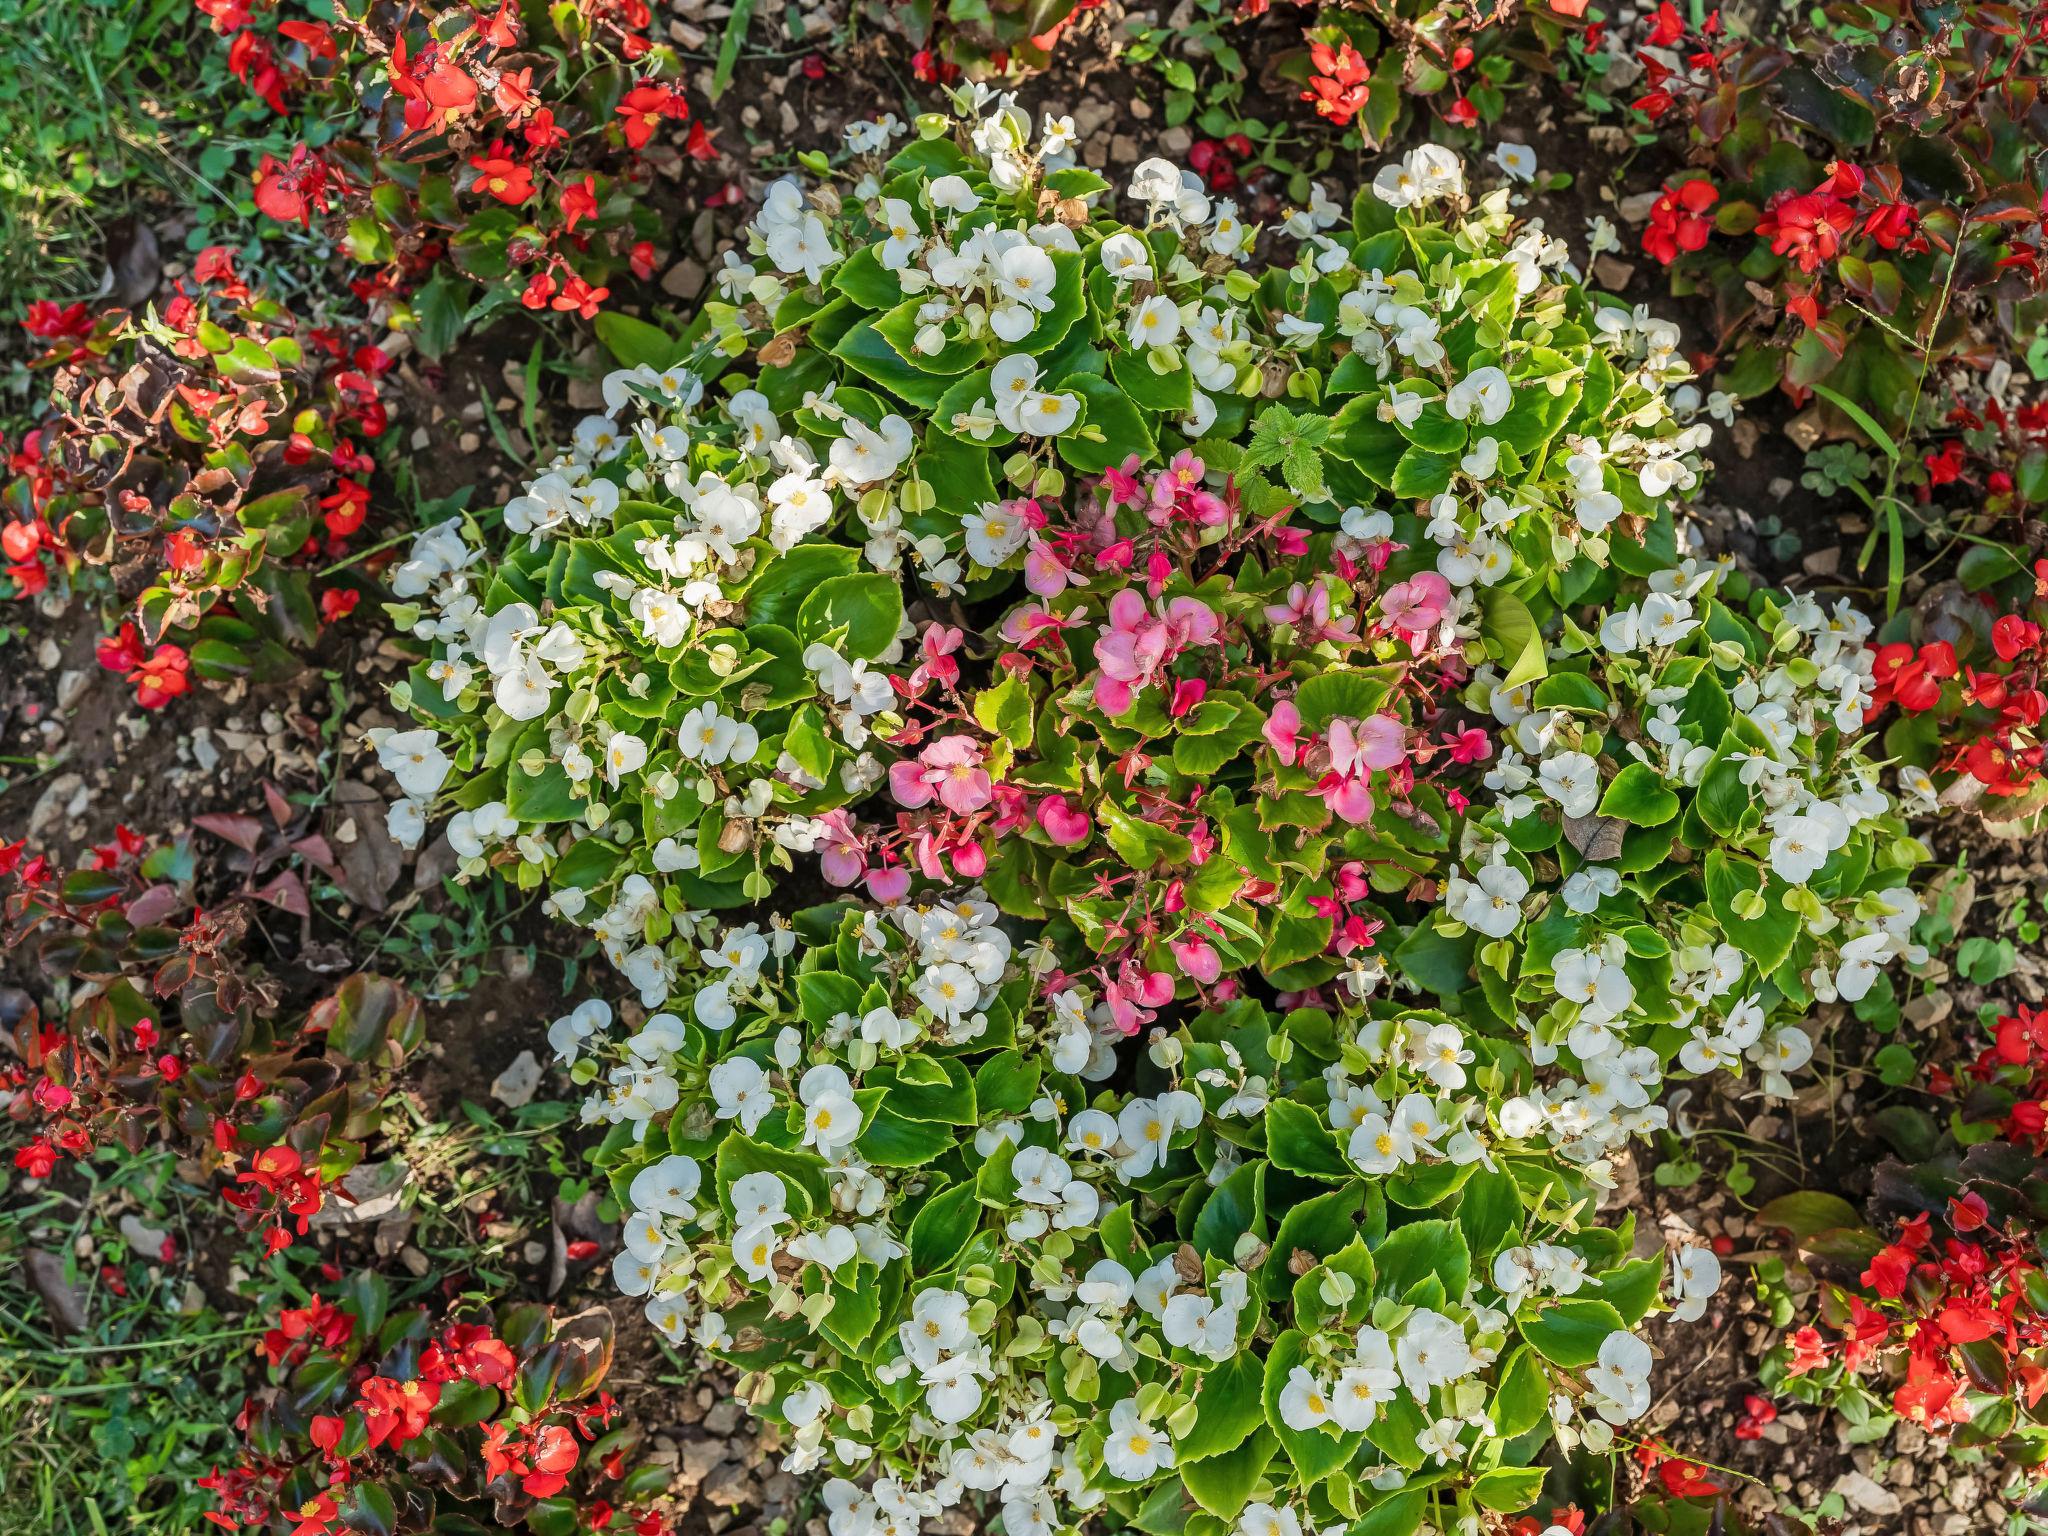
x: 936, y: 661
x: 1282, y: 731
x: 1197, y: 959
x: 1191, y: 622
x: 1347, y: 798
x: 950, y: 768
x: 1066, y: 825
x: 1117, y: 555
x: 889, y: 885
x: 1380, y: 741
x: 842, y: 851
x: 1307, y: 609
x: 1029, y: 625
x: 1046, y: 571
x: 970, y: 858
x: 1471, y: 745
x: 1187, y: 693
x: 1349, y: 882
x: 1131, y: 647
x: 1013, y: 809
x: 1132, y: 996
x: 1122, y: 484
x: 1416, y: 606
x: 1136, y: 645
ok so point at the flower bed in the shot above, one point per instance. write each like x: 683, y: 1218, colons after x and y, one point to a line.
x: 1419, y: 844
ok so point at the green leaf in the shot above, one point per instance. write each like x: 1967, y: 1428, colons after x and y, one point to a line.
x: 1767, y: 938
x: 1640, y: 797
x: 1419, y: 1250
x: 1508, y: 1489
x: 1522, y: 1400
x: 1223, y: 1484
x: 729, y: 45
x: 1510, y: 633
x: 1398, y: 1514
x: 1123, y: 429
x: 1489, y: 1212
x: 1319, y: 1226
x: 1862, y: 418
x: 635, y: 342
x: 1227, y: 1410
x: 890, y: 1141
x: 1808, y: 1211
x: 868, y: 605
x: 942, y: 1227
x: 1167, y: 393
x: 1301, y: 1141
x: 1631, y: 1289
x: 1234, y: 1207
x: 863, y: 278
x: 1569, y: 1332
x: 1423, y: 473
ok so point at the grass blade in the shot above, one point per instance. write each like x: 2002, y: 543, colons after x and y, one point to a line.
x: 729, y: 46
x: 1862, y: 418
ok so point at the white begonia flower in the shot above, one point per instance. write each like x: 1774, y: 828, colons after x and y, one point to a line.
x: 1491, y: 902
x: 1620, y: 1378
x: 568, y: 1033
x: 739, y: 1089
x: 1799, y: 848
x: 1572, y: 779
x: 831, y: 1118
x: 952, y: 194
x: 1695, y: 1280
x: 1154, y: 323
x: 623, y: 754
x: 1194, y: 1322
x: 1264, y: 1520
x: 709, y: 736
x: 759, y: 1199
x: 904, y: 239
x: 1431, y: 1352
x: 867, y: 454
x: 1126, y: 257
x: 668, y: 1187
x: 1518, y: 160
x: 1485, y: 391
x: 1303, y: 1403
x: 1134, y: 1449
x: 415, y: 759
x: 1379, y: 1146
x: 406, y: 822
x: 1366, y: 1387
x: 1588, y: 886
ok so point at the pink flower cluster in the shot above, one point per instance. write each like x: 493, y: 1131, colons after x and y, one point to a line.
x: 1346, y: 757
x: 1138, y: 645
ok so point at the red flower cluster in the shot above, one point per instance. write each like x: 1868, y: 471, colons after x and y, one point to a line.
x: 1756, y: 1413
x: 1932, y: 1303
x: 276, y: 1184
x: 1216, y: 161
x: 370, y: 1426
x: 470, y: 110
x: 1341, y: 83
x: 1990, y: 716
x: 1682, y: 1479
x: 1679, y: 221
x: 2016, y: 1062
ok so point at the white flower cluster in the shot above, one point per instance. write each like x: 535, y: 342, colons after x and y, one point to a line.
x: 760, y: 1057
x: 1794, y: 808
